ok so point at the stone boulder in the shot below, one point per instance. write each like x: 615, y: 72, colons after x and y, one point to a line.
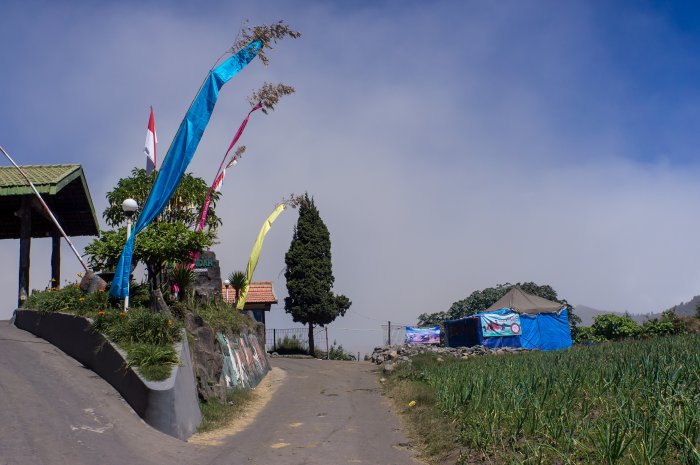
x: 207, y: 360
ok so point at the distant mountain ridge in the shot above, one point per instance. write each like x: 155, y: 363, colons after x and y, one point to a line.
x: 587, y: 314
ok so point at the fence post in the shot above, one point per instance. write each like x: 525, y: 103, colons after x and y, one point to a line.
x: 389, y: 333
x: 274, y: 340
x: 328, y: 353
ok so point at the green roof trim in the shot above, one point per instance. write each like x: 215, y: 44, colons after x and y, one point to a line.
x: 48, y: 179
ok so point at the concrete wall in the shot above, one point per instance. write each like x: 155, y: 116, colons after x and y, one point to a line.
x: 171, y: 406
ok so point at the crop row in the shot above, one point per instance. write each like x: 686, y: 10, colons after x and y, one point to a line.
x: 635, y: 402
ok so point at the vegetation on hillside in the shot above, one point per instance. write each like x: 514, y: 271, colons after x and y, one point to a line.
x: 146, y: 336
x: 612, y: 327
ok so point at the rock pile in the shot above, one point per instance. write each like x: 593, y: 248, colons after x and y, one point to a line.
x: 388, y: 357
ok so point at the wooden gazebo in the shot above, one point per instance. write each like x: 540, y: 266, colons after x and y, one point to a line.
x: 65, y: 191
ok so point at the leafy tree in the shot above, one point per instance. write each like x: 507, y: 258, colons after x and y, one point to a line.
x: 168, y: 239
x: 184, y: 206
x: 479, y: 301
x: 309, y: 273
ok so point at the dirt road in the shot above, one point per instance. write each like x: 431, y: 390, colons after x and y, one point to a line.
x: 54, y: 411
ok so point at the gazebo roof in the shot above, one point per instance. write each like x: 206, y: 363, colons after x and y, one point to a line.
x: 64, y: 190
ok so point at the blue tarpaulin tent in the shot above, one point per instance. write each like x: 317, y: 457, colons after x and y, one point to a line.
x: 516, y: 320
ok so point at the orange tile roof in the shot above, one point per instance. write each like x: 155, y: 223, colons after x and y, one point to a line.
x: 259, y: 292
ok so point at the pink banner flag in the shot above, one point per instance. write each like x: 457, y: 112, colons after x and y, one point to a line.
x: 218, y: 179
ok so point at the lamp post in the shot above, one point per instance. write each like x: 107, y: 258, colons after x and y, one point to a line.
x: 129, y: 206
x: 227, y: 283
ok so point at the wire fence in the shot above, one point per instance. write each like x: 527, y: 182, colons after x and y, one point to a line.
x: 290, y: 340
x: 296, y: 340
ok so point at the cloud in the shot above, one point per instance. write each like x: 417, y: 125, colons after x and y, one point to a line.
x: 448, y: 148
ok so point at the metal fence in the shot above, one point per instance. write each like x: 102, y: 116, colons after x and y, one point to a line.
x: 291, y: 339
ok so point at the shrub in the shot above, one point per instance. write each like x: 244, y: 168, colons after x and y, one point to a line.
x: 138, y: 325
x: 670, y: 316
x: 615, y: 327
x: 69, y: 299
x: 146, y: 336
x: 653, y: 328
x: 586, y: 335
x: 221, y: 316
x: 336, y: 352
x: 182, y: 276
x: 153, y: 361
x: 291, y: 346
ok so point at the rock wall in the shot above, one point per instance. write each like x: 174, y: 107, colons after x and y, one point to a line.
x: 208, y: 275
x: 224, y: 361
x: 245, y: 360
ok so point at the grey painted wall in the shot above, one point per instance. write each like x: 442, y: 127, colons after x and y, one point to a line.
x: 171, y: 406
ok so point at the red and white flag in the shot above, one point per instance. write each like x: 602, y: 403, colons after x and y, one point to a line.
x: 151, y: 141
x: 219, y: 181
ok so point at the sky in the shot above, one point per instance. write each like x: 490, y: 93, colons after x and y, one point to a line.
x: 449, y: 145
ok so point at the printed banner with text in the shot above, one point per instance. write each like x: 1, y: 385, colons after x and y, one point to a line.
x: 494, y: 325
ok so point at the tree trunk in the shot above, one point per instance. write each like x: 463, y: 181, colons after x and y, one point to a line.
x: 158, y: 304
x: 312, y: 349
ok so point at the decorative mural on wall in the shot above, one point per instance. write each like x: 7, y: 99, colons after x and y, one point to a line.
x: 245, y: 361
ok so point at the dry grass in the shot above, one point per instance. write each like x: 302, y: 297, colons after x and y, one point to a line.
x: 236, y: 418
x: 434, y: 435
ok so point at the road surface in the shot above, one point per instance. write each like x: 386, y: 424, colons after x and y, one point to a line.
x: 53, y: 411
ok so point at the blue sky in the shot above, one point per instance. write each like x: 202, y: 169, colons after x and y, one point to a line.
x: 450, y: 145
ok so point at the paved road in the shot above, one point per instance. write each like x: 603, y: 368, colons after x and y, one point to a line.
x: 326, y: 413
x: 54, y: 412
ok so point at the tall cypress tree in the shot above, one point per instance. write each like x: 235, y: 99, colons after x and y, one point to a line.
x: 309, y: 273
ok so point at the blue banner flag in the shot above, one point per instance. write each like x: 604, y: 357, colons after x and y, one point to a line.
x: 430, y: 335
x: 179, y: 156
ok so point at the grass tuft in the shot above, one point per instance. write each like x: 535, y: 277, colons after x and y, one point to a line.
x: 216, y: 414
x: 154, y: 362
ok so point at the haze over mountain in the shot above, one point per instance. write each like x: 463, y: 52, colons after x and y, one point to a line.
x: 587, y: 314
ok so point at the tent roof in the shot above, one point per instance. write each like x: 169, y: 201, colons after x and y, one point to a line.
x: 522, y: 302
x: 63, y: 188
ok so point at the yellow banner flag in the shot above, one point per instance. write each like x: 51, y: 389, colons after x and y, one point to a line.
x: 255, y: 254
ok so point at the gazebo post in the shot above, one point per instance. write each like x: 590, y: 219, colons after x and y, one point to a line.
x: 55, y: 261
x: 25, y: 245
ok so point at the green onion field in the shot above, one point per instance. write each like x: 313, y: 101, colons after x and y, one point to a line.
x: 633, y: 402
